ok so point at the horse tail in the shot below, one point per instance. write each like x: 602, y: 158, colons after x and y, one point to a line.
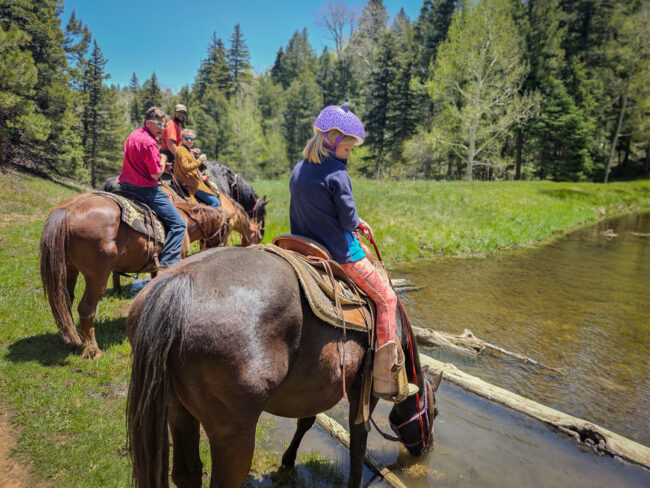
x: 54, y: 272
x: 156, y: 326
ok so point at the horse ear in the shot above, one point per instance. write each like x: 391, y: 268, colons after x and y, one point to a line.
x: 425, y: 369
x: 436, y: 383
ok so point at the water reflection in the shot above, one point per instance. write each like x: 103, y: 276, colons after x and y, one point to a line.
x: 579, y: 304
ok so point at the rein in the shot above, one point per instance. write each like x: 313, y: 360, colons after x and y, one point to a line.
x: 410, y: 334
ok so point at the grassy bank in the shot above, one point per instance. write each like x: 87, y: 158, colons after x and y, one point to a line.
x: 68, y: 413
x: 423, y: 219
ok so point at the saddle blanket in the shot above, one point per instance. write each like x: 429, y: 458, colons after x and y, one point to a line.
x: 133, y: 215
x: 357, y: 310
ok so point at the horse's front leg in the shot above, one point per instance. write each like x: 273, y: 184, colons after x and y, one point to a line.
x: 358, y: 439
x: 289, y: 456
x: 117, y: 287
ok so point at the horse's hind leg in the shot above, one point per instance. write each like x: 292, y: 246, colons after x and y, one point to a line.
x: 289, y: 456
x: 231, y: 448
x: 185, y: 430
x: 95, y: 288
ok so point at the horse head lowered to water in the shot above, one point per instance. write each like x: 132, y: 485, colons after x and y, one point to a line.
x: 227, y: 334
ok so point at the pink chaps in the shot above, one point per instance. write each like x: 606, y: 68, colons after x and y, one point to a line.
x: 364, y: 274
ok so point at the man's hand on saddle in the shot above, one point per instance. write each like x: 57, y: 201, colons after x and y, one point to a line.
x: 365, y: 230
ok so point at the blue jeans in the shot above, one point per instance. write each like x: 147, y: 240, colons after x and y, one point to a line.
x: 207, y: 198
x: 159, y: 202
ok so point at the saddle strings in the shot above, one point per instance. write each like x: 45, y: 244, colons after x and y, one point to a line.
x: 339, y: 311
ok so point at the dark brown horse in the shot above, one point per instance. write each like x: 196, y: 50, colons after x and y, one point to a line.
x: 85, y: 234
x: 227, y: 334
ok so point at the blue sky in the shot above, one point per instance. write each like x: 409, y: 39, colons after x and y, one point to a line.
x: 171, y: 37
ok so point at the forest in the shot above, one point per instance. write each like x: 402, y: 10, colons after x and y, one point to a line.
x: 469, y: 90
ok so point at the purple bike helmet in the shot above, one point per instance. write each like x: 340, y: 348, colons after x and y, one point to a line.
x: 335, y: 117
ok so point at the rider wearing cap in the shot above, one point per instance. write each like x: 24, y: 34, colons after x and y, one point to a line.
x: 322, y: 208
x: 171, y: 138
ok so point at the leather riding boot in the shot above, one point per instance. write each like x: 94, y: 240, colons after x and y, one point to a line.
x: 389, y: 374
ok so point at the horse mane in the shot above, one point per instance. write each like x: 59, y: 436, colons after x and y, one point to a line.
x: 233, y: 184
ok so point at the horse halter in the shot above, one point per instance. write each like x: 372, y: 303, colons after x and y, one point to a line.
x: 422, y: 412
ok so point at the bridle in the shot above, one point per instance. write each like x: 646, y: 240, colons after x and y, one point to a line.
x: 419, y: 414
x: 423, y: 412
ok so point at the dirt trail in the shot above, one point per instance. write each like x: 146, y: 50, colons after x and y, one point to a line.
x: 12, y: 474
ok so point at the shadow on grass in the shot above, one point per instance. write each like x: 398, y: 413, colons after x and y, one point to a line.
x: 50, y: 350
x: 47, y: 349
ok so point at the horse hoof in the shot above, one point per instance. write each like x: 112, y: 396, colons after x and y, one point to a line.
x: 92, y: 353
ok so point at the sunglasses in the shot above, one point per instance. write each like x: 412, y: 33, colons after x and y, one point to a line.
x: 188, y: 138
x: 160, y: 125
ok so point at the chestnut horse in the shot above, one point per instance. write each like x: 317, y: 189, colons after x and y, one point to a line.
x: 227, y: 334
x: 86, y: 234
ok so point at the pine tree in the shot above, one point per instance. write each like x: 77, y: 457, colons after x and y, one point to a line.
x: 296, y: 58
x: 136, y: 113
x: 212, y: 120
x: 239, y: 58
x: 303, y: 105
x: 76, y: 44
x: 278, y: 74
x: 214, y: 70
x: 37, y: 131
x: 627, y: 72
x: 151, y: 93
x: 430, y: 30
x: 589, y: 26
x: 378, y: 107
x: 559, y: 119
x: 95, y: 112
x: 326, y: 77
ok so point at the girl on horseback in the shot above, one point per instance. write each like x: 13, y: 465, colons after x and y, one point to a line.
x: 322, y: 208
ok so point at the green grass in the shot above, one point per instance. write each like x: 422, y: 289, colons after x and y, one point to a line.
x: 423, y: 219
x: 68, y: 413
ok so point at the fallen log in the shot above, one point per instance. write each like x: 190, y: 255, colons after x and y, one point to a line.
x: 463, y: 344
x: 467, y: 343
x: 581, y: 431
x: 337, y: 431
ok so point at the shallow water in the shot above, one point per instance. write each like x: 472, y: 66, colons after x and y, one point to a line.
x: 478, y: 443
x: 580, y: 304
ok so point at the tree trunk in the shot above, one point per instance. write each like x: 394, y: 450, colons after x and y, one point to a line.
x: 646, y: 166
x: 519, y: 145
x: 617, y: 134
x: 470, y: 152
x: 1, y: 146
